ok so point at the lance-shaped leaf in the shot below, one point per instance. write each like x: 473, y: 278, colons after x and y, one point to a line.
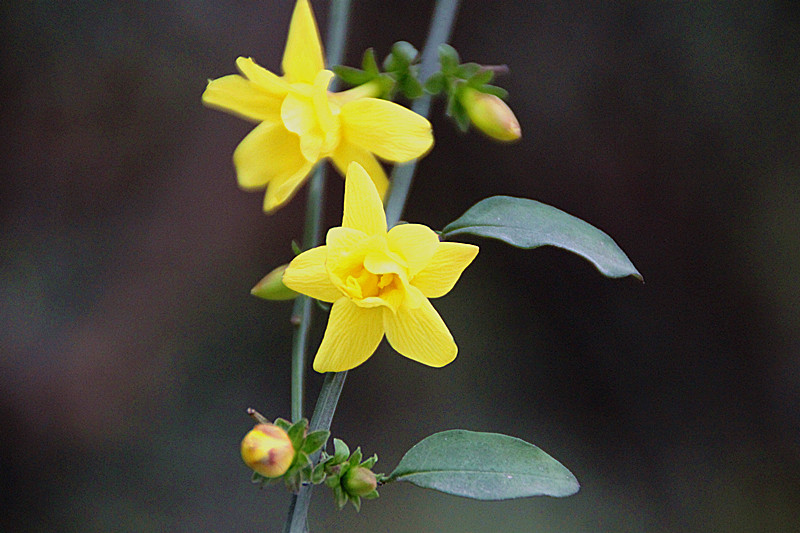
x: 484, y: 466
x: 528, y: 224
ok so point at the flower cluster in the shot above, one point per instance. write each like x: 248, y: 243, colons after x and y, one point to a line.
x: 300, y: 123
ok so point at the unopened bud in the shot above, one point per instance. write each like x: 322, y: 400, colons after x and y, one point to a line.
x: 271, y: 287
x: 268, y: 450
x: 490, y: 114
x: 359, y: 481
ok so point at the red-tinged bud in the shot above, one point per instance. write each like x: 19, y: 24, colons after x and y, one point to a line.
x: 490, y: 114
x: 268, y: 450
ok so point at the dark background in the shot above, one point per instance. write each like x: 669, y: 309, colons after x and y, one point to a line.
x: 131, y: 347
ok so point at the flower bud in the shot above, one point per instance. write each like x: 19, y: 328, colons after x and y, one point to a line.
x: 271, y: 287
x: 490, y: 114
x: 359, y: 481
x: 268, y: 450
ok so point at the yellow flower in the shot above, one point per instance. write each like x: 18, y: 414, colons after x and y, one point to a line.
x: 379, y: 283
x: 300, y: 122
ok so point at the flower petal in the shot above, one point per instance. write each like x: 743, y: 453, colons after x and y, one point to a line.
x: 352, y: 336
x: 444, y: 268
x: 420, y: 334
x: 346, y: 153
x: 386, y: 129
x: 302, y: 58
x: 415, y: 243
x: 268, y: 152
x: 307, y: 275
x: 298, y: 116
x: 262, y: 77
x: 241, y: 97
x: 282, y: 189
x: 363, y: 209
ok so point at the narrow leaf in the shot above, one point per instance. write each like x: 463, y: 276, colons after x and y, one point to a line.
x: 484, y: 466
x: 528, y: 224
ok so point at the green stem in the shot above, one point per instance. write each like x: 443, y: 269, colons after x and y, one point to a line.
x: 441, y: 27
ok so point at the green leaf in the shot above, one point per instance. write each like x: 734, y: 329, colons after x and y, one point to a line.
x: 483, y: 466
x: 528, y: 224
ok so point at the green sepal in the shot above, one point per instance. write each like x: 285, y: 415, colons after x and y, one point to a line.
x: 369, y: 463
x: 340, y: 451
x: 468, y: 70
x: 435, y: 84
x: 372, y: 495
x: 456, y: 111
x: 297, y: 433
x: 480, y: 77
x: 355, y: 459
x: 318, y: 474
x: 315, y: 440
x: 356, y: 501
x: 283, y: 424
x: 402, y: 55
x: 448, y: 58
x: 369, y: 63
x: 410, y: 86
x: 495, y: 90
x: 352, y: 76
x: 339, y: 496
x: 296, y: 248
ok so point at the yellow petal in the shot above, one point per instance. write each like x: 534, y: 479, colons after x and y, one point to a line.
x: 298, y: 116
x: 415, y: 243
x: 346, y: 153
x: 262, y: 77
x: 307, y: 275
x: 386, y: 129
x: 322, y: 107
x: 302, y: 58
x: 420, y: 334
x: 242, y: 98
x: 444, y: 268
x: 283, y: 188
x: 267, y: 153
x: 345, y: 253
x: 352, y: 336
x: 363, y: 209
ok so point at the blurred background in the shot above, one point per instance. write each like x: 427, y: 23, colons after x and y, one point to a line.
x: 131, y: 346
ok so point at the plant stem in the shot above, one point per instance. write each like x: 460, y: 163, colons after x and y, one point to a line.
x: 441, y: 27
